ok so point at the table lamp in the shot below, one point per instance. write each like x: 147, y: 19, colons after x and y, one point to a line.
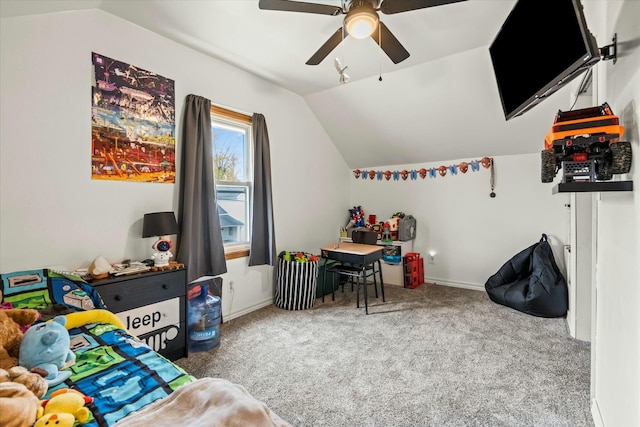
x: 161, y: 224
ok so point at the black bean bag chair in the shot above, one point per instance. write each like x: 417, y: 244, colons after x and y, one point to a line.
x: 531, y: 282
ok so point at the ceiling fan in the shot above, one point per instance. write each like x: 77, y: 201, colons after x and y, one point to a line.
x: 361, y: 21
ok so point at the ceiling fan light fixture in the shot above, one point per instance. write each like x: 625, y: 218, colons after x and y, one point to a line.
x: 361, y: 23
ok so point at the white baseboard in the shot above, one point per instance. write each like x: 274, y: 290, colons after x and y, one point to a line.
x: 433, y: 280
x: 247, y: 310
x: 465, y: 285
x: 595, y: 413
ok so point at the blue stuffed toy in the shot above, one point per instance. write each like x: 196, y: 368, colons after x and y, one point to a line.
x: 46, y: 346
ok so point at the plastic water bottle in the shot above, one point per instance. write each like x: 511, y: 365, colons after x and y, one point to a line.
x: 204, y: 321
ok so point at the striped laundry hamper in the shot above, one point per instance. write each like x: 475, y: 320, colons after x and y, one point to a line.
x: 296, y: 280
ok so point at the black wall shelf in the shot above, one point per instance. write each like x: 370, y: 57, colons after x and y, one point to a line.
x: 593, y: 187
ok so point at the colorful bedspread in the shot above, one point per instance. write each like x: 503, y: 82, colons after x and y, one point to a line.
x: 121, y: 373
x: 47, y: 290
x: 127, y: 380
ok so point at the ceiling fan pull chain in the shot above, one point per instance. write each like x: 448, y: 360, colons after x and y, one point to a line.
x: 492, y: 181
x: 342, y: 47
x: 379, y: 53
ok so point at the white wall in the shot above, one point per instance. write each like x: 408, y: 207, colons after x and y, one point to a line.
x: 54, y: 214
x: 472, y: 234
x: 616, y: 333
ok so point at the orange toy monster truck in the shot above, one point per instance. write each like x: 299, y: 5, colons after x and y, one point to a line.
x: 585, y: 143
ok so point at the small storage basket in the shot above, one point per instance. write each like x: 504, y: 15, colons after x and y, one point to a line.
x: 296, y: 281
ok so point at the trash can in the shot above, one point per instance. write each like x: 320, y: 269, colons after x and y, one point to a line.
x: 333, y: 280
x: 297, y: 280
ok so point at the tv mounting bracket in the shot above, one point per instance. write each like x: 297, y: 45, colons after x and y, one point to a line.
x: 610, y: 51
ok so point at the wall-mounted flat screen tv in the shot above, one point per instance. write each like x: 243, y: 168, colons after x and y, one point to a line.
x: 541, y: 46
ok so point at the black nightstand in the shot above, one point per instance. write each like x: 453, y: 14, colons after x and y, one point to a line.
x: 153, y: 307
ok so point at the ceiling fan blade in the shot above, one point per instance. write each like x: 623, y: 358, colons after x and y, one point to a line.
x: 326, y: 48
x: 298, y: 6
x: 390, y: 44
x: 389, y: 7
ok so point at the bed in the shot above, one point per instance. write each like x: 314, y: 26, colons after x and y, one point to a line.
x: 131, y: 385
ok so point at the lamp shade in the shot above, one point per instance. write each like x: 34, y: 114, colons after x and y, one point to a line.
x: 159, y: 224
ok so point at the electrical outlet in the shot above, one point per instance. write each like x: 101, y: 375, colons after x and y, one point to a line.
x: 432, y: 259
x: 231, y: 285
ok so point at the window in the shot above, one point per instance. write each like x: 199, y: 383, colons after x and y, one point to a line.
x: 232, y: 157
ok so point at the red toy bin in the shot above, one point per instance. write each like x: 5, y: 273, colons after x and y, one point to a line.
x: 412, y: 280
x: 412, y: 256
x: 413, y: 269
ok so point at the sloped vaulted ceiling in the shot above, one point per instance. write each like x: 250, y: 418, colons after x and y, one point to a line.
x: 440, y: 104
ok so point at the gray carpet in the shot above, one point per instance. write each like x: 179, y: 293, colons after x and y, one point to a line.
x: 431, y: 356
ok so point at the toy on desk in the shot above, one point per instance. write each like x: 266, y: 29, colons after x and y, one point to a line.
x: 357, y: 216
x: 386, y: 233
x: 393, y: 227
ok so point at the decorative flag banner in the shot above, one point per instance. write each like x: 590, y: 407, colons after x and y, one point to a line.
x: 132, y: 123
x: 463, y: 167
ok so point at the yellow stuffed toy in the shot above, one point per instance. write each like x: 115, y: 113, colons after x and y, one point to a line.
x: 57, y: 420
x: 81, y: 318
x: 64, y: 407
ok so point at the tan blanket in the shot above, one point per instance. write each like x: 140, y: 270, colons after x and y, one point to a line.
x: 206, y: 402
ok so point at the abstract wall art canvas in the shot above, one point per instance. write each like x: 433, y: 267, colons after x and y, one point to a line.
x: 132, y: 123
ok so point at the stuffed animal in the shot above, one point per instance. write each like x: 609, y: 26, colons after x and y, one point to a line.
x: 356, y: 216
x: 19, y: 406
x: 34, y: 381
x: 19, y: 391
x: 65, y: 406
x: 46, y: 346
x: 11, y: 323
x: 16, y: 406
x: 57, y: 420
x: 81, y: 318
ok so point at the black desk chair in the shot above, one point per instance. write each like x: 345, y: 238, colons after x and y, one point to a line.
x: 356, y: 272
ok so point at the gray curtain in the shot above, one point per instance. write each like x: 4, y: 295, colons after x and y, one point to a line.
x: 263, y: 243
x: 200, y: 239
